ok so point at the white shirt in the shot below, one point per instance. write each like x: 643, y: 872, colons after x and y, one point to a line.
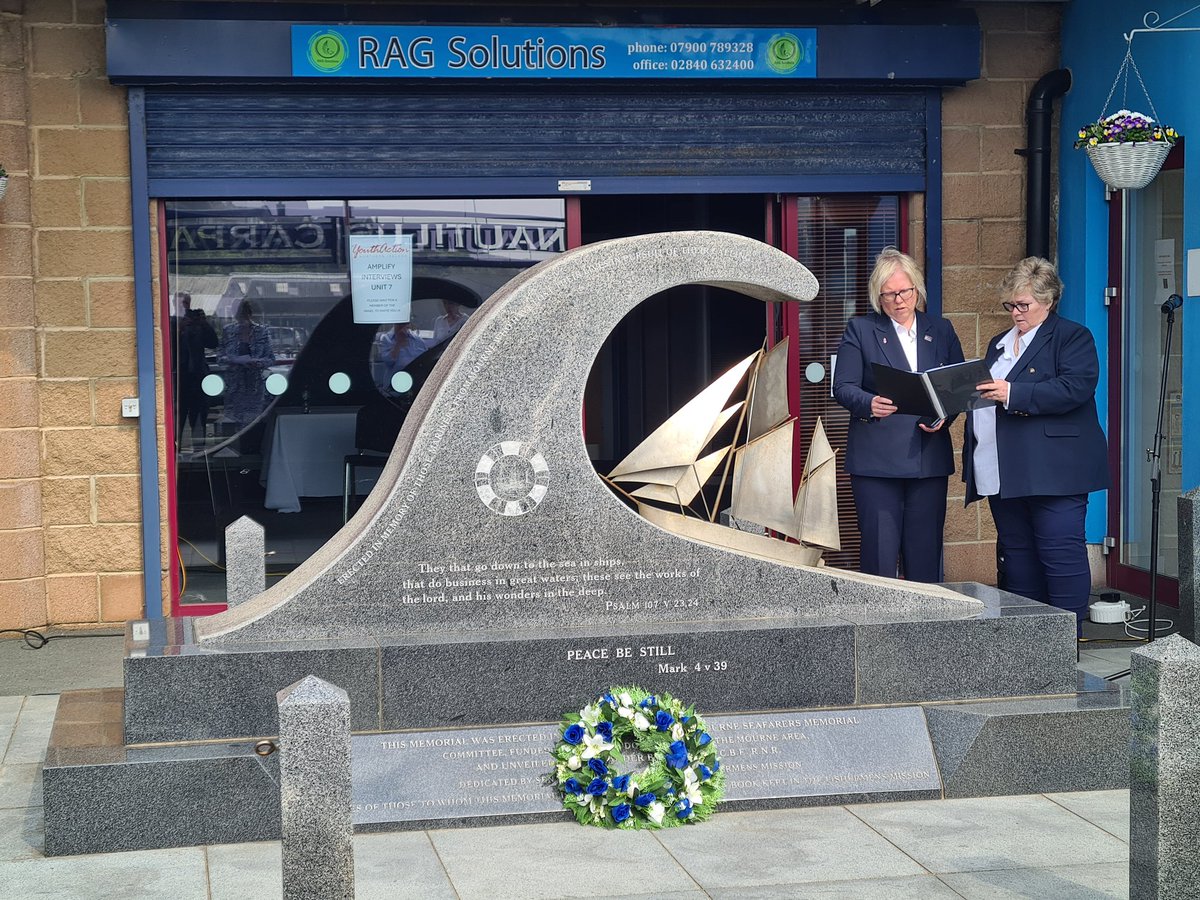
x: 908, y: 342
x: 985, y: 462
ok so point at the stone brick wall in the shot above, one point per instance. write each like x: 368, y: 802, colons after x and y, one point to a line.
x: 70, y: 543
x: 983, y: 217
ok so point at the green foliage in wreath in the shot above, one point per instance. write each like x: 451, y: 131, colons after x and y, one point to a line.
x: 682, y: 784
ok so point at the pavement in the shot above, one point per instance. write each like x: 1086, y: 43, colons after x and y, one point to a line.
x: 1066, y: 846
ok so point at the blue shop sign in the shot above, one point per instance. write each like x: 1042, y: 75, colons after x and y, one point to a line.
x: 364, y: 51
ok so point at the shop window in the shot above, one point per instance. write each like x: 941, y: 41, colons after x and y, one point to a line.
x: 273, y: 382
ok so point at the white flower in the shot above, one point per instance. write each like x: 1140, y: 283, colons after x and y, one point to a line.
x: 677, y: 732
x: 625, y: 699
x: 655, y: 812
x: 625, y: 712
x: 691, y: 786
x: 573, y: 763
x: 641, y: 723
x: 593, y: 744
x: 590, y: 715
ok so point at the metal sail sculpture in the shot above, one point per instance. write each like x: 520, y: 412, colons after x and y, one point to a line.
x: 671, y: 469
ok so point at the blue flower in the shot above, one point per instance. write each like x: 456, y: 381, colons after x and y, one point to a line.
x: 604, y: 729
x: 644, y: 800
x: 573, y: 734
x: 705, y: 773
x: 685, y: 808
x: 596, y: 764
x: 609, y: 699
x: 621, y: 783
x: 664, y: 720
x: 705, y: 739
x: 598, y: 787
x: 649, y: 701
x: 571, y: 786
x: 685, y: 719
x: 716, y: 765
x: 621, y: 812
x: 677, y: 756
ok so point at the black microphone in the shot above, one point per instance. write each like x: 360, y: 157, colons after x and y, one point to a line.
x: 1172, y: 303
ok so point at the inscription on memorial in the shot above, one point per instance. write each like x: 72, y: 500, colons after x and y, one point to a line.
x: 530, y: 580
x: 501, y: 771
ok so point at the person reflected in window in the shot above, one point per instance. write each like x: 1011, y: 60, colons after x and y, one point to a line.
x: 245, y: 351
x: 899, y: 465
x: 192, y: 335
x: 1040, y: 451
x: 446, y: 325
x: 394, y: 350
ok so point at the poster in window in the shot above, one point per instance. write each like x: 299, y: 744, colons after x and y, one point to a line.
x: 381, y: 277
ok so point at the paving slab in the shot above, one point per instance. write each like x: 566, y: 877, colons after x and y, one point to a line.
x: 917, y: 887
x: 32, y: 731
x: 20, y: 785
x: 991, y: 833
x: 146, y: 875
x: 21, y: 836
x: 557, y: 860
x: 1094, y: 881
x: 68, y: 662
x: 741, y: 850
x: 1105, y: 809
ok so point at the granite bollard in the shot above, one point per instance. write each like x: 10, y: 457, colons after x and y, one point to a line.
x: 314, y: 788
x: 245, y: 560
x: 1189, y: 561
x: 1164, y: 771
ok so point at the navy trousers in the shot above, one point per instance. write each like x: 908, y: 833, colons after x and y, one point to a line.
x: 901, y: 519
x: 1044, y: 551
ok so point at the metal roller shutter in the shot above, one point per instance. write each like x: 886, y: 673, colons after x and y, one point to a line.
x: 501, y: 131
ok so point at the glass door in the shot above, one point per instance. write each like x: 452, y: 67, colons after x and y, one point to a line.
x: 1148, y: 224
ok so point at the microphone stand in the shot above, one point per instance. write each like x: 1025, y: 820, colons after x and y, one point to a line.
x: 1153, y: 457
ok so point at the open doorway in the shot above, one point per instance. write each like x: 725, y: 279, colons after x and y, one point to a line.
x: 670, y: 347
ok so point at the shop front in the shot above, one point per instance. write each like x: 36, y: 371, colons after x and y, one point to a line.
x: 259, y: 165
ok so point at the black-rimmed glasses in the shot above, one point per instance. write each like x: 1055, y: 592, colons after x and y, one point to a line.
x: 893, y: 296
x: 1018, y: 307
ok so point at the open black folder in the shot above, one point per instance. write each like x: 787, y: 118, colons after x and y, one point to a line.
x: 936, y: 394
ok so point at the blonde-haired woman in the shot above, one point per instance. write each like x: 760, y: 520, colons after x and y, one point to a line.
x: 1038, y: 454
x: 899, y: 465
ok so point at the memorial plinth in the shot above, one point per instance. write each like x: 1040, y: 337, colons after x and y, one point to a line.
x: 493, y: 581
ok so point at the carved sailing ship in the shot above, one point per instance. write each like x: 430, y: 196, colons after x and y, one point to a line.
x: 673, y: 468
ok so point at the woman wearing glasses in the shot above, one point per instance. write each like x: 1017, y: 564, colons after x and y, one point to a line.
x: 1038, y: 453
x: 898, y: 464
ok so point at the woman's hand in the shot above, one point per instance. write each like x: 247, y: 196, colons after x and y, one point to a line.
x: 882, y: 407
x: 932, y: 429
x: 994, y: 390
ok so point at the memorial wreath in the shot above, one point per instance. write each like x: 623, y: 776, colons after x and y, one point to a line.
x: 681, y: 785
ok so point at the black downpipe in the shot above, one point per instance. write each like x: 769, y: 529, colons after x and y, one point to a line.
x: 1038, y: 116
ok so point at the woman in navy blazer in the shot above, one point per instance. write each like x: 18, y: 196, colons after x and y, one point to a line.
x: 1040, y: 451
x: 898, y: 465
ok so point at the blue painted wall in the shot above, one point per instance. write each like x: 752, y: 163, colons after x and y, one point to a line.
x: 1093, y: 46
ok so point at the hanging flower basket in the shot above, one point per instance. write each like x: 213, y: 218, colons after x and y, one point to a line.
x: 1127, y: 149
x: 1128, y: 166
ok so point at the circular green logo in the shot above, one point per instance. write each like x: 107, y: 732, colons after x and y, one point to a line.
x: 327, y: 51
x: 784, y: 53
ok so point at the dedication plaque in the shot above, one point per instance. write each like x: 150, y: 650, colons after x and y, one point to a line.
x: 501, y: 771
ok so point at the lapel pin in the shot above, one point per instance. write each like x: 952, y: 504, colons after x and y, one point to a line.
x: 929, y: 338
x: 1032, y: 370
x: 885, y: 340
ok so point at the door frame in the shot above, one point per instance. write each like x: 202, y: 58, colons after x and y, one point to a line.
x: 1119, y: 575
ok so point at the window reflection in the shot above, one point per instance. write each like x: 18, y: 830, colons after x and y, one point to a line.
x: 274, y: 384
